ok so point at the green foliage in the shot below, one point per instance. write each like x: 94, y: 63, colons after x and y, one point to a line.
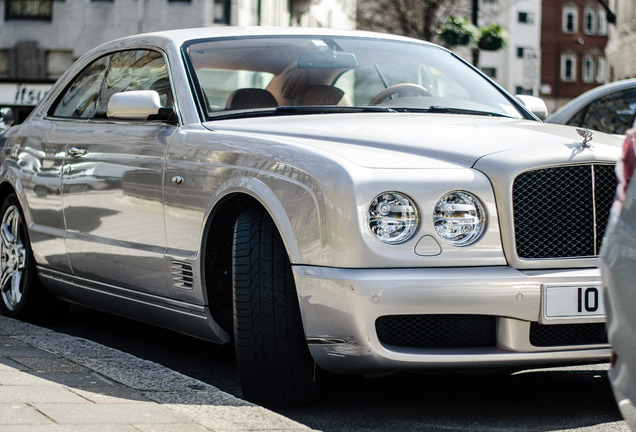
x: 457, y: 31
x: 492, y: 38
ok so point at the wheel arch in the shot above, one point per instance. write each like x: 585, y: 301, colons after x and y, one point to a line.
x: 238, y: 196
x: 10, y: 183
x: 6, y: 189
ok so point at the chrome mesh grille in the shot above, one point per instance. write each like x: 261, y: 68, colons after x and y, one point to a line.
x: 562, y: 212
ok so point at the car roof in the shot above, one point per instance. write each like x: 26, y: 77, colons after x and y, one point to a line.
x: 180, y: 36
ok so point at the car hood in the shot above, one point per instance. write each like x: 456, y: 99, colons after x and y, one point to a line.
x: 399, y: 140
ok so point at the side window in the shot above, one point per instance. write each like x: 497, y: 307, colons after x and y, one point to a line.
x: 80, y: 99
x: 136, y: 70
x: 612, y: 113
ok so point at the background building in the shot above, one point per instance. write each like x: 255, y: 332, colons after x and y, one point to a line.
x: 573, y: 39
x: 40, y: 39
x: 517, y: 66
x: 621, y: 46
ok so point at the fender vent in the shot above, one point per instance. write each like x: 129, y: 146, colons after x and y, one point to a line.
x: 182, y: 275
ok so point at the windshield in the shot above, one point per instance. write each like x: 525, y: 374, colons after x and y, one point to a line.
x: 268, y: 75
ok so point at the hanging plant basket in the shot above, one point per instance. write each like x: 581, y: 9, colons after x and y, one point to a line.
x: 457, y: 31
x: 492, y: 38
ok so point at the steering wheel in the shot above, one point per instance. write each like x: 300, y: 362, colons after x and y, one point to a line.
x: 401, y: 90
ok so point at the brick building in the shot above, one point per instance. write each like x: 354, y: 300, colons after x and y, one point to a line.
x: 574, y: 34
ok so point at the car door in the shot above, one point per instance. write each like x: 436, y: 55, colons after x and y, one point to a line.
x: 112, y: 184
x: 42, y: 157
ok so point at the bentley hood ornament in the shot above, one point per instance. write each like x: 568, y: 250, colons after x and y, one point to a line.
x: 587, y: 137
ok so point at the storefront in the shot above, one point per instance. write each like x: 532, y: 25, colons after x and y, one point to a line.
x: 21, y: 97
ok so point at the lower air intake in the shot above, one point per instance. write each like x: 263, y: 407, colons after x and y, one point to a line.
x: 437, y: 331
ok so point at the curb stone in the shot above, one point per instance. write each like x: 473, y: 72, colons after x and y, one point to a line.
x: 49, y: 378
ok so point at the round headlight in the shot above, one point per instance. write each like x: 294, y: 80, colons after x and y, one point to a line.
x: 459, y: 218
x: 393, y: 217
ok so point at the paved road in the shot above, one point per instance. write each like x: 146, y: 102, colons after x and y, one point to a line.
x: 557, y: 399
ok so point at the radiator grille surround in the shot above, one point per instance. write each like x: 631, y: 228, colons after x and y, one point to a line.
x: 562, y: 212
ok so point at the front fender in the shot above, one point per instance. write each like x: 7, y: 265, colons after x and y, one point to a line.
x: 293, y: 206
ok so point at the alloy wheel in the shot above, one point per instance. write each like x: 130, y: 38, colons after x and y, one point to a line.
x: 13, y: 257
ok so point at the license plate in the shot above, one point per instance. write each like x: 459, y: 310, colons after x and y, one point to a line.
x: 573, y: 301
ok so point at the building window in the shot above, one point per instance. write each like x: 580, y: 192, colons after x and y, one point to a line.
x: 568, y: 67
x: 590, y: 21
x: 588, y: 69
x: 520, y: 52
x: 491, y: 72
x: 28, y: 9
x: 570, y: 19
x: 602, y: 22
x: 222, y: 11
x: 600, y: 70
x: 525, y: 18
x: 520, y: 90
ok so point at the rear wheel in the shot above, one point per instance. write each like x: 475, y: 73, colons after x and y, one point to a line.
x: 22, y: 294
x: 275, y: 367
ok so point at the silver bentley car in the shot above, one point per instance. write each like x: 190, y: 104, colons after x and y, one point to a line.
x: 325, y: 201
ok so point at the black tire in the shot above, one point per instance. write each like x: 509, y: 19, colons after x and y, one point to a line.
x: 22, y: 295
x: 274, y: 364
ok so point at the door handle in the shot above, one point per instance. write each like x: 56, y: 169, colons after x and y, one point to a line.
x: 77, y: 152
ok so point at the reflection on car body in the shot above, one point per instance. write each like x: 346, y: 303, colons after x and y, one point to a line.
x: 343, y: 201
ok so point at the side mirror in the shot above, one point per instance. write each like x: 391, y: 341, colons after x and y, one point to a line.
x: 6, y: 118
x: 138, y: 105
x: 535, y: 105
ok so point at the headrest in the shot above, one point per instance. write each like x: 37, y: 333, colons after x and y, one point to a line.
x: 247, y: 98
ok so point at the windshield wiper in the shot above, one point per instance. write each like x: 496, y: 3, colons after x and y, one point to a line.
x: 325, y: 109
x: 296, y: 110
x: 448, y: 110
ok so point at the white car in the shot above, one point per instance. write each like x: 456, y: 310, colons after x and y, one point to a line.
x: 618, y: 266
x: 349, y: 201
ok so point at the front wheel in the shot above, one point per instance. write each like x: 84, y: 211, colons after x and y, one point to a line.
x: 275, y: 367
x: 22, y: 294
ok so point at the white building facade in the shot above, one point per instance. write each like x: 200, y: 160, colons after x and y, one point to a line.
x: 517, y: 67
x: 621, y: 44
x: 40, y: 39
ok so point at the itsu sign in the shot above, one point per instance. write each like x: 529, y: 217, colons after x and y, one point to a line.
x: 22, y: 94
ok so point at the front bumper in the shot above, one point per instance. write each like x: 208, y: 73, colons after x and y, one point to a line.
x: 340, y: 307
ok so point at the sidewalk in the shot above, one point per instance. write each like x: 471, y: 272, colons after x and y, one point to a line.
x: 52, y: 379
